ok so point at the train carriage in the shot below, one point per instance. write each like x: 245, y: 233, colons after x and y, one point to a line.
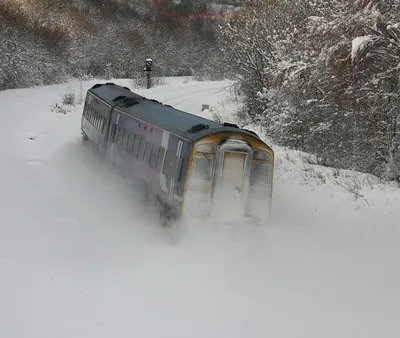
x: 191, y: 164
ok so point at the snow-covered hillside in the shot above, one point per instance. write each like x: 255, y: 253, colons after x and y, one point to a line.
x: 81, y: 257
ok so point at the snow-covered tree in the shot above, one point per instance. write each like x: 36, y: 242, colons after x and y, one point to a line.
x: 329, y: 82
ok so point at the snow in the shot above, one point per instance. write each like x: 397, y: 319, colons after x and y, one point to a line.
x: 358, y: 44
x: 80, y: 256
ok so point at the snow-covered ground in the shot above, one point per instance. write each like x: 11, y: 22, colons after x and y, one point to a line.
x: 81, y: 257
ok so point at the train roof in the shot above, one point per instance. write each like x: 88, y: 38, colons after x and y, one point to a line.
x: 180, y: 123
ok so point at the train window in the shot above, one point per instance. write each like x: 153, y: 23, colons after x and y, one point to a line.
x: 147, y: 152
x: 113, y: 132
x: 136, y: 143
x: 119, y: 136
x: 181, y: 178
x: 260, y: 155
x: 130, y: 142
x: 203, y: 166
x: 206, y: 148
x: 141, y: 148
x: 169, y: 164
x: 97, y: 120
x: 160, y: 158
x: 101, y: 123
x: 125, y: 140
x: 154, y: 154
x: 93, y: 116
x: 259, y: 173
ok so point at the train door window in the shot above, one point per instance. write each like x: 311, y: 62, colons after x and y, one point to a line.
x: 141, y: 148
x: 136, y: 143
x: 169, y: 164
x: 125, y: 140
x: 147, y: 152
x: 160, y: 158
x: 130, y: 142
x: 154, y: 154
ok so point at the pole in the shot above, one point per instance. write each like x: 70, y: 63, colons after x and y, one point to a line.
x: 148, y: 80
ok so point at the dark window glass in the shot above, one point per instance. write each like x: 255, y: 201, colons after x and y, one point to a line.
x: 154, y: 155
x: 136, y: 143
x: 260, y: 155
x: 113, y: 132
x: 120, y: 135
x: 206, y: 148
x: 147, y: 152
x: 169, y: 164
x: 181, y: 178
x: 130, y: 142
x: 160, y: 158
x: 97, y: 120
x: 141, y: 148
x: 101, y: 122
x: 125, y: 140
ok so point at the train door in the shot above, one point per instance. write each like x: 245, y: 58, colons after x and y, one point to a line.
x: 231, y: 180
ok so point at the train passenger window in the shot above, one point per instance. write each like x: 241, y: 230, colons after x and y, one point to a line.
x: 95, y: 118
x: 147, y: 152
x: 130, y: 142
x: 141, y: 148
x: 96, y: 121
x: 125, y: 140
x: 169, y: 164
x: 101, y: 122
x: 181, y: 178
x: 136, y: 143
x: 119, y: 136
x: 154, y: 154
x: 113, y: 131
x: 160, y: 158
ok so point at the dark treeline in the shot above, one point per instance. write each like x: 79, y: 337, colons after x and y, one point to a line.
x: 47, y: 41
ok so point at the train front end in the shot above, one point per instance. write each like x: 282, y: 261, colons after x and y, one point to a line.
x: 230, y: 179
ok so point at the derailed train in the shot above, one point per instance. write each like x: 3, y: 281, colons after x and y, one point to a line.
x: 192, y: 165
